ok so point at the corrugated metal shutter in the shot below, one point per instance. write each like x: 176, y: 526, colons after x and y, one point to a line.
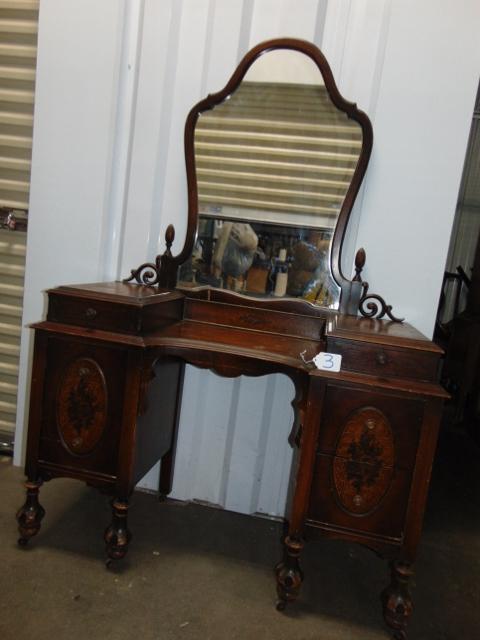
x: 18, y: 51
x: 12, y: 261
x: 279, y: 148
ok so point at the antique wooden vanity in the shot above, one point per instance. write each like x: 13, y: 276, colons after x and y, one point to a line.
x: 274, y: 163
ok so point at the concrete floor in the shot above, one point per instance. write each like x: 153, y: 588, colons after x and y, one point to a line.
x: 198, y: 573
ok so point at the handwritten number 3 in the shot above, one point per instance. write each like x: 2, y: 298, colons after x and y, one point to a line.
x: 328, y: 361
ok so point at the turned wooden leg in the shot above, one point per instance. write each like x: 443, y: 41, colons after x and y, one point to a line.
x: 396, y: 599
x: 29, y: 517
x: 289, y: 575
x: 117, y: 536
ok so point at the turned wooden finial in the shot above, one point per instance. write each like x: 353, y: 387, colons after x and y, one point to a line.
x: 360, y: 259
x: 169, y: 238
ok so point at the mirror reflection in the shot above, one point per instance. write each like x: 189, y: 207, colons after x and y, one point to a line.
x: 273, y: 165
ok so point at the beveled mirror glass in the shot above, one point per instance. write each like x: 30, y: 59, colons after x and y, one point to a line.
x: 274, y: 162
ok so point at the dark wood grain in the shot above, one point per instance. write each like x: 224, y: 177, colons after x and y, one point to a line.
x: 242, y: 316
x: 134, y: 311
x: 385, y: 361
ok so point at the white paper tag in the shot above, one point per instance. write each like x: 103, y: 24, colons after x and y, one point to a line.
x: 328, y: 361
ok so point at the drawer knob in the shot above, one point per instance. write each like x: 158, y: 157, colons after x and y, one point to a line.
x: 357, y: 500
x: 90, y: 313
x: 381, y: 358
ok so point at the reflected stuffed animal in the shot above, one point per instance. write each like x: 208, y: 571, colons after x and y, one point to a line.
x: 234, y: 250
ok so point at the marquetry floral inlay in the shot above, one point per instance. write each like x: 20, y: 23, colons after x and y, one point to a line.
x: 363, y: 462
x: 82, y: 405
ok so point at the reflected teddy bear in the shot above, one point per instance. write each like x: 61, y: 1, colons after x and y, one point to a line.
x: 234, y: 253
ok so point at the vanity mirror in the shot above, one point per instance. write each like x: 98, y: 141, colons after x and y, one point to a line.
x: 274, y: 162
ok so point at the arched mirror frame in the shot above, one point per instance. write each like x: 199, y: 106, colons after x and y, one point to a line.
x: 164, y: 271
x: 349, y: 108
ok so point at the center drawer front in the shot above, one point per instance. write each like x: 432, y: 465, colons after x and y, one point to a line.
x: 375, y: 359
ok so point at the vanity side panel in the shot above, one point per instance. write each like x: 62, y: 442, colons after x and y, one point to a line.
x: 158, y: 414
x: 36, y: 403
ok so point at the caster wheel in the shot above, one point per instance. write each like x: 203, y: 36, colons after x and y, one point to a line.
x: 22, y: 542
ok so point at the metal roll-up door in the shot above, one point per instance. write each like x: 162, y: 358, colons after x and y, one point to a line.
x: 18, y: 52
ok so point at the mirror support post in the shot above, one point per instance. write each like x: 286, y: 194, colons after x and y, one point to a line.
x: 352, y: 290
x: 350, y: 297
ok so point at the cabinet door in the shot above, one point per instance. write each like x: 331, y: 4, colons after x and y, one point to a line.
x: 365, y: 458
x: 82, y: 403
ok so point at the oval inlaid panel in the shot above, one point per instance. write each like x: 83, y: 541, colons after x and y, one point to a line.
x: 363, y: 463
x: 82, y: 406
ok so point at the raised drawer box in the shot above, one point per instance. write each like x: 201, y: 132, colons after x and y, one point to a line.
x: 384, y: 360
x: 144, y: 309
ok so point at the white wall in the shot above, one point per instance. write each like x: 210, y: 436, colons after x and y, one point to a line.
x: 421, y: 125
x: 75, y: 107
x: 412, y: 66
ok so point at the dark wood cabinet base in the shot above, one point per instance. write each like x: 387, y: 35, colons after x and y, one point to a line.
x: 105, y: 408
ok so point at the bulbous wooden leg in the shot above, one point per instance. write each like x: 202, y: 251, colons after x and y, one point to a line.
x: 289, y: 575
x: 29, y: 517
x: 396, y: 600
x: 117, y: 536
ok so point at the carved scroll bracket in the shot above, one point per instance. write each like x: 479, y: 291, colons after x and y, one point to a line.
x: 371, y: 305
x: 158, y: 272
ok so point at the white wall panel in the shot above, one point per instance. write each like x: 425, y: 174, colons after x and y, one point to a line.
x: 225, y: 440
x: 283, y: 18
x: 354, y: 41
x: 154, y: 110
x: 75, y: 109
x: 421, y: 125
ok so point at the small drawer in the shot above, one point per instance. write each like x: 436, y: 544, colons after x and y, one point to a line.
x: 94, y: 314
x: 379, y: 360
x: 370, y: 425
x: 113, y: 316
x: 359, y: 498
